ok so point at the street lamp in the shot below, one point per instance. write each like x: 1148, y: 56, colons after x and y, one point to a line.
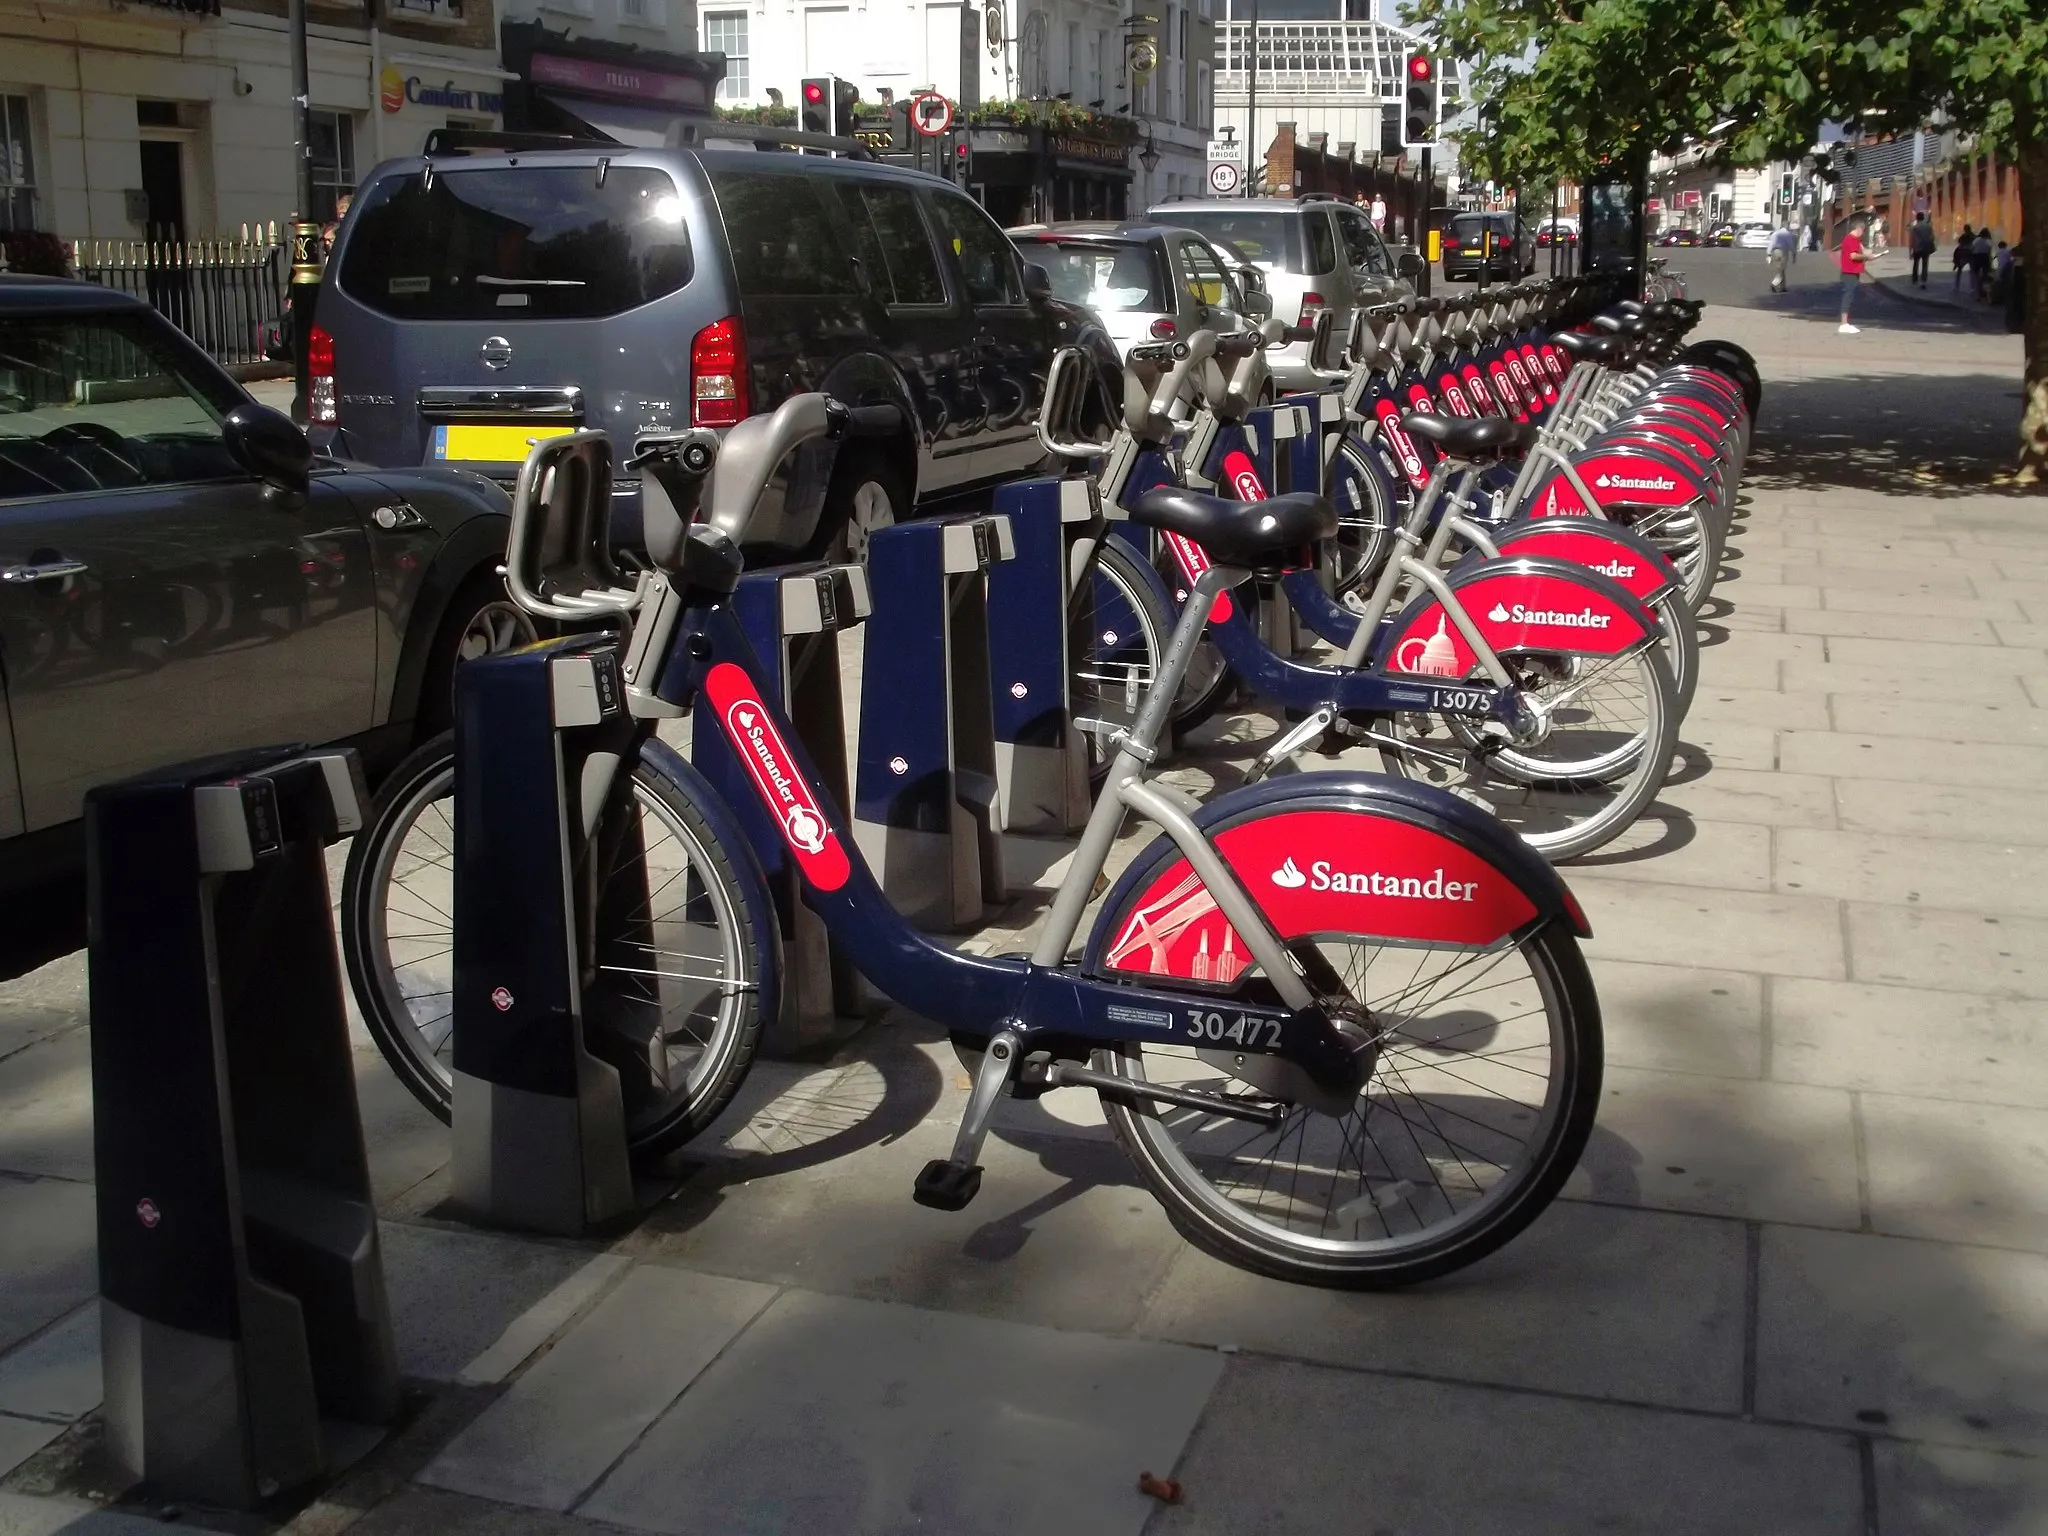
x: 1148, y: 157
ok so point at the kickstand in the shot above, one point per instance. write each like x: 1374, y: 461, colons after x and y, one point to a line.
x: 948, y: 1185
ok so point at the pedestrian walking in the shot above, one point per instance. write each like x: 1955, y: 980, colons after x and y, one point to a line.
x: 1878, y: 230
x: 2016, y: 291
x: 1961, y: 255
x: 1852, y: 257
x: 1920, y: 246
x: 1980, y: 263
x: 1784, y: 250
x: 2001, y: 271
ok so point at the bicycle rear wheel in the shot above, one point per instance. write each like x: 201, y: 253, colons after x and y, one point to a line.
x: 1482, y: 1096
x: 683, y: 947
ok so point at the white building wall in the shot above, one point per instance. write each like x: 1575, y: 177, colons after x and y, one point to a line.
x: 917, y: 45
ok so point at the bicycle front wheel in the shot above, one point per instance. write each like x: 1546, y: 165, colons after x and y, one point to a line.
x: 681, y: 952
x: 1482, y: 1095
x: 1595, y: 754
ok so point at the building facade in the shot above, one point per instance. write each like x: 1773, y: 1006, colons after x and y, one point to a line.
x: 1152, y: 65
x: 175, y: 121
x: 1332, y: 77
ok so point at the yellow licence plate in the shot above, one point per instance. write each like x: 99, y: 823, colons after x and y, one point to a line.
x: 490, y: 445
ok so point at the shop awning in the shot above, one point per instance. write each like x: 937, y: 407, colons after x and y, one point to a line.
x: 641, y: 127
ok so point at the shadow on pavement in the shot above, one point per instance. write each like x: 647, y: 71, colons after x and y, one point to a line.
x: 1889, y: 434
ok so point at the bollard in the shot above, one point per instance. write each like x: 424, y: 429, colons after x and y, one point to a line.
x: 1041, y: 759
x: 539, y: 1119
x: 794, y: 615
x: 926, y: 812
x: 241, y: 1285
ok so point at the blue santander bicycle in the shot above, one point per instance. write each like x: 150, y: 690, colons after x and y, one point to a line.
x: 1339, y: 1022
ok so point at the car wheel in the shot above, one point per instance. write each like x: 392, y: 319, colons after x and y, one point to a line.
x: 482, y: 620
x: 866, y: 496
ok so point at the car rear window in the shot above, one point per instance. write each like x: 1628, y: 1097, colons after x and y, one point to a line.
x: 1105, y: 275
x: 781, y: 237
x: 541, y: 242
x: 1468, y: 225
x: 1267, y: 237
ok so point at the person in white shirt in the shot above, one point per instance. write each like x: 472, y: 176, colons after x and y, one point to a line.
x: 1783, y: 248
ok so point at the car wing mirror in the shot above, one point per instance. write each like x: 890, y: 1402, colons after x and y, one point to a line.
x: 1258, y: 305
x: 1037, y: 281
x: 269, y: 446
x: 1410, y: 266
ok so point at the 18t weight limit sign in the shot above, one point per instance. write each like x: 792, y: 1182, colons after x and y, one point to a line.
x: 1224, y: 177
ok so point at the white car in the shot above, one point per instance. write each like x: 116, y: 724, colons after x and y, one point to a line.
x: 1754, y: 237
x: 1145, y: 282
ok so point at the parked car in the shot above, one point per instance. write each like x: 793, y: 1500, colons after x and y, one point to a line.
x: 1754, y: 237
x: 1721, y: 234
x: 1680, y: 237
x: 1316, y: 253
x: 1145, y: 282
x: 1557, y: 232
x: 1511, y: 254
x: 507, y: 296
x: 184, y: 577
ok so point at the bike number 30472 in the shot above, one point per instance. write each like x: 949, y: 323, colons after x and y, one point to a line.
x: 1238, y: 1030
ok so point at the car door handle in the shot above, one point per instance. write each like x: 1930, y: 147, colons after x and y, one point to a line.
x: 51, y: 570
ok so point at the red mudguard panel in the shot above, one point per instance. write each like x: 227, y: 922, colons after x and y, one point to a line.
x: 1598, y: 546
x: 1616, y: 480
x: 1241, y: 480
x: 1315, y: 872
x: 777, y: 779
x: 1516, y: 611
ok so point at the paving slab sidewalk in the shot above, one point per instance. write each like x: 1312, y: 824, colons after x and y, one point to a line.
x: 1799, y: 1283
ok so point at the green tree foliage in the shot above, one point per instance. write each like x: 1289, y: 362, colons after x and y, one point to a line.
x: 1576, y: 83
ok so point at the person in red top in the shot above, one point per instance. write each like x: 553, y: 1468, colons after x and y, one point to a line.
x: 1852, y: 272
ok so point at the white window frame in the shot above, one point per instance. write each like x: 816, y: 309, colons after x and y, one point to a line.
x: 734, y: 87
x: 20, y: 105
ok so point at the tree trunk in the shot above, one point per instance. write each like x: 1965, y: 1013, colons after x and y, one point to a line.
x: 2033, y: 168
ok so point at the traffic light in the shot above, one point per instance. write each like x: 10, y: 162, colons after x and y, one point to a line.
x: 828, y: 105
x: 1420, y: 110
x: 1390, y: 129
x: 815, y: 113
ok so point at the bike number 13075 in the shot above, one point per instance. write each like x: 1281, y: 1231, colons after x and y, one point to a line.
x: 1215, y: 1028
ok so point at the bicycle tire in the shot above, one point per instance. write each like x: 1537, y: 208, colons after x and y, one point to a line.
x: 1117, y: 654
x: 1527, y: 788
x: 1365, y: 517
x: 1204, y: 1212
x: 710, y: 883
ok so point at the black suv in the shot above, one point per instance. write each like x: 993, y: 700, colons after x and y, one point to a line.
x: 180, y: 576
x: 476, y: 302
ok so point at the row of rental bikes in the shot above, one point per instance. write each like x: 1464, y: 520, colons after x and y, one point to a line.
x: 1338, y: 1019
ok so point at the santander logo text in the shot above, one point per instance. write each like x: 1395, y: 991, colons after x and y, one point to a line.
x: 1636, y: 483
x: 1324, y: 876
x: 772, y: 767
x: 1553, y: 618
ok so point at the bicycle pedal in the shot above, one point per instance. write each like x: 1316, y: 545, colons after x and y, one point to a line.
x: 946, y: 1186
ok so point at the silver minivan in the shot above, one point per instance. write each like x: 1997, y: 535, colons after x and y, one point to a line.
x: 480, y: 300
x: 1317, y: 254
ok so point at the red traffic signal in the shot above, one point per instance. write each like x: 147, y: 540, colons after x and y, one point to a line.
x: 1420, y: 67
x: 814, y: 91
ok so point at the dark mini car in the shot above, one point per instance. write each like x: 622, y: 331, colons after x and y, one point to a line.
x: 476, y: 302
x: 180, y: 576
x: 1497, y: 245
x: 1680, y: 237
